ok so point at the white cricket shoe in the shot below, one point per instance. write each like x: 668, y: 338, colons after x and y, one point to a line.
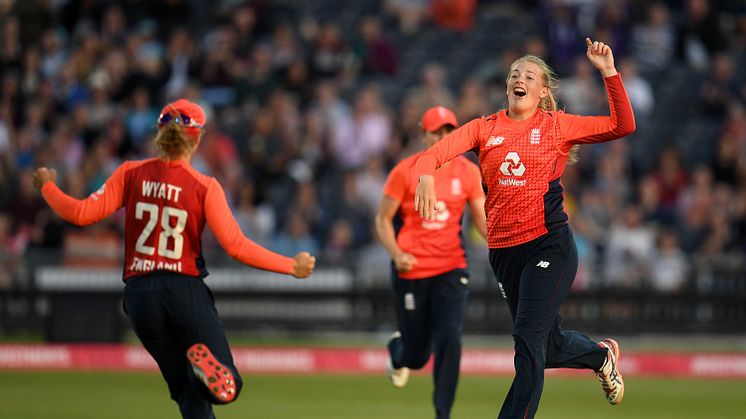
x: 609, y: 375
x: 397, y: 376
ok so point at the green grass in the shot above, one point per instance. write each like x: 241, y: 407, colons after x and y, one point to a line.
x: 144, y: 395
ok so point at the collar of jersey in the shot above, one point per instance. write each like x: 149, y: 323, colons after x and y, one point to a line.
x: 504, y: 116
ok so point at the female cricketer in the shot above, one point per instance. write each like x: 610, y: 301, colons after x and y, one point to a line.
x: 167, y: 203
x: 523, y: 151
x: 429, y: 277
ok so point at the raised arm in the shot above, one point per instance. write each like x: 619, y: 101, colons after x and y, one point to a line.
x: 454, y: 144
x: 96, y: 207
x: 594, y: 129
x: 223, y: 224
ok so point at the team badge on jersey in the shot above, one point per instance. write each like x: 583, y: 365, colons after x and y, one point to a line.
x: 535, y: 136
x: 456, y: 187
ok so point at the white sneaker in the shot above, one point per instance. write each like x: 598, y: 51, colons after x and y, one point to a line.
x: 609, y: 375
x: 397, y: 376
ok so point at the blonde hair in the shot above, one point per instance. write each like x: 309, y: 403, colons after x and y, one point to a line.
x: 173, y: 141
x: 548, y: 103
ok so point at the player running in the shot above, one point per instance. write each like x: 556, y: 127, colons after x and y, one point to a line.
x: 429, y: 277
x: 523, y: 151
x: 167, y: 203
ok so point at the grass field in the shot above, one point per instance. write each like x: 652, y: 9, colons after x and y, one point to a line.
x: 143, y: 395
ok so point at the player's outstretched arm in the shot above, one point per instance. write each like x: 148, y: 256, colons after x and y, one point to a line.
x: 221, y: 221
x: 595, y: 129
x: 96, y: 207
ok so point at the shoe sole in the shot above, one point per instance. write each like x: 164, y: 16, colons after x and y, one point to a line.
x: 397, y: 376
x: 216, y: 376
x: 613, y: 345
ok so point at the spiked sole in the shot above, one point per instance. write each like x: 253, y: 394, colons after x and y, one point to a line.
x: 212, y: 373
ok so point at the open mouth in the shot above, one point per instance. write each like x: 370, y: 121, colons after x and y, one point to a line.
x: 519, y: 91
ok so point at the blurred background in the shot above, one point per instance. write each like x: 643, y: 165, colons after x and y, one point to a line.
x: 311, y: 102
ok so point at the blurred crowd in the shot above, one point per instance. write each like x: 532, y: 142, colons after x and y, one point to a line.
x: 302, y: 129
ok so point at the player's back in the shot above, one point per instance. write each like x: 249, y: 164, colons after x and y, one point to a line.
x: 164, y: 217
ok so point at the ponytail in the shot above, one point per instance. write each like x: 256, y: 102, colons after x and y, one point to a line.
x: 173, y: 141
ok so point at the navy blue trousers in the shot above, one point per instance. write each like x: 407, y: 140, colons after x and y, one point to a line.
x: 535, y: 278
x: 169, y: 313
x: 430, y: 314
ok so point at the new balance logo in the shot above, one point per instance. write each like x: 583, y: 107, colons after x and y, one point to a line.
x: 494, y: 141
x: 512, y: 165
x: 543, y: 264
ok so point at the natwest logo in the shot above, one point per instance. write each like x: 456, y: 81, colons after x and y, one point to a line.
x: 512, y: 165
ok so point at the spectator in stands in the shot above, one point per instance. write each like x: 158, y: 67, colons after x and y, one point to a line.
x: 653, y: 42
x: 562, y: 34
x: 330, y: 55
x: 720, y: 238
x: 581, y: 93
x: 719, y: 89
x: 473, y: 102
x: 254, y: 87
x: 295, y: 235
x: 728, y: 164
x: 217, y: 69
x: 615, y: 17
x: 628, y: 251
x: 256, y: 219
x: 285, y: 48
x: 340, y: 243
x: 8, y: 253
x: 365, y: 133
x: 409, y: 13
x: 370, y: 183
x: 671, y: 177
x: 375, y: 52
x: 639, y: 89
x: 669, y: 268
x: 453, y: 15
x: 432, y: 90
x: 698, y: 34
x: 308, y: 203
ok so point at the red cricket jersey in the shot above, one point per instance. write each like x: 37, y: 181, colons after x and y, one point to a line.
x: 435, y: 243
x: 522, y: 162
x: 167, y: 205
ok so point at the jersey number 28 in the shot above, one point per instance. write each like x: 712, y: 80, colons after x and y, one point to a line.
x: 167, y: 230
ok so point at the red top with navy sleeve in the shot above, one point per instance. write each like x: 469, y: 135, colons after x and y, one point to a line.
x: 436, y: 244
x: 522, y: 162
x: 167, y: 205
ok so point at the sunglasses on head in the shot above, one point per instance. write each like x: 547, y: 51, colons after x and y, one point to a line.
x: 180, y: 119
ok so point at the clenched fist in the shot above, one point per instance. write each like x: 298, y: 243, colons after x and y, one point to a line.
x: 43, y: 175
x: 304, y: 264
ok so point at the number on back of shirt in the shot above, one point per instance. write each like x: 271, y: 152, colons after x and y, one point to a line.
x: 168, y: 231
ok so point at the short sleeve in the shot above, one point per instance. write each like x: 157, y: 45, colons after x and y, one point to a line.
x: 396, y: 184
x: 474, y: 181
